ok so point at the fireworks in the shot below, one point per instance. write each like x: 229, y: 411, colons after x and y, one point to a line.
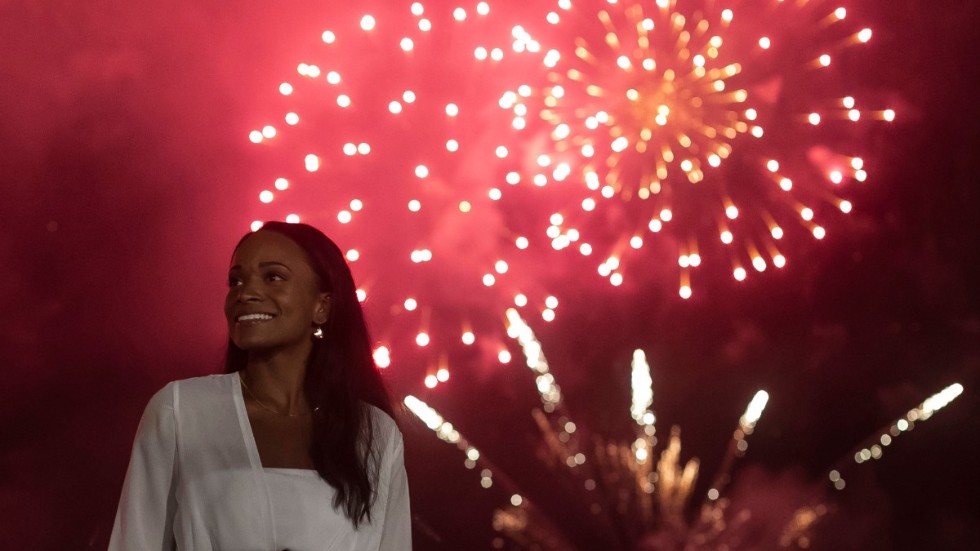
x: 454, y: 150
x: 706, y: 121
x: 640, y: 500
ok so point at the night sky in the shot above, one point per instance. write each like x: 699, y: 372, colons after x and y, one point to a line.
x: 128, y: 177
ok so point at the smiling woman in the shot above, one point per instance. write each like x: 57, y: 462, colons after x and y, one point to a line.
x: 295, y: 446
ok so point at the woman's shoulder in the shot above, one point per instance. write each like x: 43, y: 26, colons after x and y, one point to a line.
x: 384, y: 425
x: 193, y: 388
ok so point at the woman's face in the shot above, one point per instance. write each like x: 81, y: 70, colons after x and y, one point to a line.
x: 273, y: 301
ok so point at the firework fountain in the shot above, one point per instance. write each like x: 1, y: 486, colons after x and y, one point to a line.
x: 640, y: 491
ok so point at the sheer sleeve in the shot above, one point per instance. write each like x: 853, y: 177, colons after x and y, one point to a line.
x: 144, y: 519
x: 396, y: 534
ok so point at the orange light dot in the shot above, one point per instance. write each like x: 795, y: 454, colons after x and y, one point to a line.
x: 442, y: 375
x: 685, y: 292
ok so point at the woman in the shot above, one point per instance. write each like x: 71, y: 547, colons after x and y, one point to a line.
x: 295, y: 446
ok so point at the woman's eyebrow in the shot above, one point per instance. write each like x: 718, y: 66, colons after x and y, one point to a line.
x: 265, y: 264
x: 268, y: 263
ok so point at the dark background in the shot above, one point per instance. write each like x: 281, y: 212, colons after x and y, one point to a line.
x: 122, y: 151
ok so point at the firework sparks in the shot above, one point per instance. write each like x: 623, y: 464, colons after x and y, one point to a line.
x: 873, y: 448
x: 606, y: 124
x: 640, y: 499
x: 687, y: 118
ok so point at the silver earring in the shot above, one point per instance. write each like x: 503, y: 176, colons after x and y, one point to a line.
x: 318, y: 332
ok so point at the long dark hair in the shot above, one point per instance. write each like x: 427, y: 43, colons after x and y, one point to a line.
x: 341, y: 378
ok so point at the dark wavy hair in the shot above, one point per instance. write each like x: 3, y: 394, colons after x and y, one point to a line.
x: 341, y: 377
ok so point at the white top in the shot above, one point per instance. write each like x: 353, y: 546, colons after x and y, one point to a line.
x: 195, y: 482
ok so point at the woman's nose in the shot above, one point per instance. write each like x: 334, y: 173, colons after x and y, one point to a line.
x: 247, y: 292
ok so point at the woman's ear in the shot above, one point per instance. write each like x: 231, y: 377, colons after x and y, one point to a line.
x: 322, y: 312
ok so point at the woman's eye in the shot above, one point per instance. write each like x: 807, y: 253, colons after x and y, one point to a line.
x: 272, y: 276
x: 234, y: 282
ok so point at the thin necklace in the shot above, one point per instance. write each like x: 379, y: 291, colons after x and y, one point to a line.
x: 263, y: 404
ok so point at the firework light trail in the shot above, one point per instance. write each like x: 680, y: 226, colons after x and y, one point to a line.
x: 640, y: 500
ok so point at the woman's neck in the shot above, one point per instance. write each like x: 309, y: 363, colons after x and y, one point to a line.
x: 277, y: 381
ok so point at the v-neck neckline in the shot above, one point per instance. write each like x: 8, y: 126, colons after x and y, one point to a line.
x: 246, y: 426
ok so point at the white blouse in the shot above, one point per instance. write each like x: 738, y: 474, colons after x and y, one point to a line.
x: 195, y: 482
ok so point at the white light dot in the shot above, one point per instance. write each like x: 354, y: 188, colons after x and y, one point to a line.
x: 367, y: 22
x: 312, y: 163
